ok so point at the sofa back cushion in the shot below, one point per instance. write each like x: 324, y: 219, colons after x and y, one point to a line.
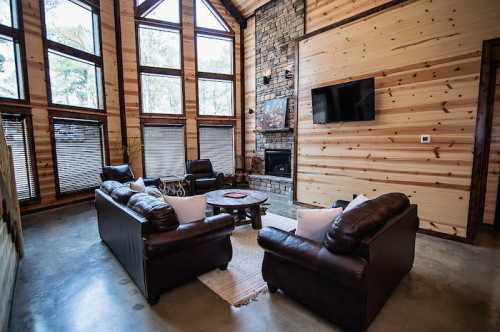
x: 121, y: 173
x: 159, y: 213
x: 349, y: 228
x: 122, y: 194
x: 110, y: 185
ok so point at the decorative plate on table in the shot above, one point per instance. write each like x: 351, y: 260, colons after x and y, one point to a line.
x: 235, y: 194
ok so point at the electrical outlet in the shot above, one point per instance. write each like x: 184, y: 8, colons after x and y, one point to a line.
x: 425, y: 139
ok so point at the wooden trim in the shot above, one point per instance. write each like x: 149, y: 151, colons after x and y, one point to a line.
x: 242, y: 95
x: 484, y: 120
x: 73, y: 52
x: 26, y: 212
x: 231, y: 8
x: 443, y: 235
x: 121, y: 88
x: 351, y: 19
x: 296, y: 120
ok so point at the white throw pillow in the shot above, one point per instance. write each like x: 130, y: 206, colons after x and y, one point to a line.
x: 138, y: 185
x: 355, y: 202
x: 188, y: 209
x: 313, y: 223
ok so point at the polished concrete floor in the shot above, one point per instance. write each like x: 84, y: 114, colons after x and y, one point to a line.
x: 69, y: 281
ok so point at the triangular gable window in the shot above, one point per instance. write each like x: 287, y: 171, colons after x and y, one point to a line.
x: 166, y: 10
x: 206, y: 17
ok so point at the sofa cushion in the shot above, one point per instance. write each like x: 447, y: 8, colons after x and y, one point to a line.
x: 159, y: 213
x: 120, y: 173
x: 153, y: 191
x: 110, y: 185
x: 352, y: 226
x: 206, y: 183
x: 122, y: 194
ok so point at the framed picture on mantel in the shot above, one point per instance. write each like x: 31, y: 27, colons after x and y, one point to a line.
x: 274, y: 113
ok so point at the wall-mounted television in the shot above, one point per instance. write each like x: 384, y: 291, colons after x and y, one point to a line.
x: 351, y: 101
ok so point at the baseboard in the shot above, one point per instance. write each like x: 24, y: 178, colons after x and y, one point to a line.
x: 443, y: 235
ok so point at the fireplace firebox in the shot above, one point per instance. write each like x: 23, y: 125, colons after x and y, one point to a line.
x: 278, y: 163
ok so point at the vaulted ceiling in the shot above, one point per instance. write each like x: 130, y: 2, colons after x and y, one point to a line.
x: 248, y: 7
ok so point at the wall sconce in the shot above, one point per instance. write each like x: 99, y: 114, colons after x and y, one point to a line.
x: 251, y: 111
x: 267, y: 76
x: 288, y: 74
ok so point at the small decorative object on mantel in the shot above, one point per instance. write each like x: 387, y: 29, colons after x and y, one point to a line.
x: 235, y: 194
x: 274, y: 113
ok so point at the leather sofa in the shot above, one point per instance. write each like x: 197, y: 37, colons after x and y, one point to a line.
x: 157, y: 252
x: 123, y: 174
x: 201, y: 177
x: 348, y: 276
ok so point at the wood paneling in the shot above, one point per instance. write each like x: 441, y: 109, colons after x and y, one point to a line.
x: 494, y: 161
x: 38, y: 99
x: 11, y: 236
x: 248, y: 7
x: 425, y: 57
x: 249, y: 42
x: 320, y: 13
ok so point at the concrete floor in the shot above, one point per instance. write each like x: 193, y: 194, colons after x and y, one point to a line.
x: 69, y: 281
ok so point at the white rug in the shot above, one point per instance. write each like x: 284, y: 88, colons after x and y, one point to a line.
x: 242, y: 281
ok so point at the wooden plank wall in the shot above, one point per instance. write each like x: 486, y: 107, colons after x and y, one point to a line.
x: 39, y: 105
x: 11, y: 235
x: 191, y: 119
x: 249, y: 42
x: 494, y: 161
x: 320, y: 13
x: 425, y: 57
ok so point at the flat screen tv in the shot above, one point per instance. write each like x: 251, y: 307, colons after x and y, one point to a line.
x: 351, y: 101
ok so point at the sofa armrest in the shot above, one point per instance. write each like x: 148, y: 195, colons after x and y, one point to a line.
x: 347, y: 270
x: 188, y: 235
x: 219, y: 179
x: 340, y: 203
x: 191, y: 183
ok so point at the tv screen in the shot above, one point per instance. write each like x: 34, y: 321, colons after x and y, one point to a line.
x: 352, y: 101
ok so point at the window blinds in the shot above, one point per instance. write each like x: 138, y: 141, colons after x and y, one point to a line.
x: 217, y: 144
x: 164, y: 152
x: 18, y: 138
x: 79, y: 152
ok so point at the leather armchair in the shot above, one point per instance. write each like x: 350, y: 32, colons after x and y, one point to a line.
x: 348, y: 277
x: 201, y: 177
x: 123, y: 173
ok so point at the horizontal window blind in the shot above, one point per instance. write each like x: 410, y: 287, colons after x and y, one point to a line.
x: 164, y: 152
x: 80, y: 154
x: 217, y: 144
x: 18, y: 138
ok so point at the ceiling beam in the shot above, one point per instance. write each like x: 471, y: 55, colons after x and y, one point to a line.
x: 231, y: 8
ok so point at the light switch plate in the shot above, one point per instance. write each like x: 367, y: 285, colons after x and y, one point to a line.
x: 425, y: 139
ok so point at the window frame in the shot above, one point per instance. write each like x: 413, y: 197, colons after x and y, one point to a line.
x: 214, y: 76
x: 159, y: 123
x: 17, y: 35
x: 148, y: 22
x: 25, y: 112
x: 218, y: 124
x: 78, y: 118
x: 79, y: 55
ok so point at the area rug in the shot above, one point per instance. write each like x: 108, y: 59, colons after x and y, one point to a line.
x: 242, y: 281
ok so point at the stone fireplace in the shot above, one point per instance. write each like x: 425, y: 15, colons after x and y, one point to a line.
x: 278, y: 163
x: 277, y: 25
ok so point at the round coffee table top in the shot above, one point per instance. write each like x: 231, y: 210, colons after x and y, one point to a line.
x: 217, y: 198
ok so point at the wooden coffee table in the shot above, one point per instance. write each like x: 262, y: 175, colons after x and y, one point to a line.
x: 245, y: 210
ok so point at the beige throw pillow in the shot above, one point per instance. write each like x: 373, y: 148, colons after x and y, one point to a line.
x: 138, y: 185
x: 188, y: 209
x: 356, y: 202
x: 314, y: 223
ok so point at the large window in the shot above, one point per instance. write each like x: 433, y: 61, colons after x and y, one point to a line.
x: 159, y: 46
x: 12, y: 84
x: 79, y: 154
x: 164, y: 150
x: 72, y: 39
x: 17, y: 131
x: 214, y: 62
x: 217, y: 144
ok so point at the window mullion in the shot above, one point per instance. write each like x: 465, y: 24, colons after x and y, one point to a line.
x: 73, y: 52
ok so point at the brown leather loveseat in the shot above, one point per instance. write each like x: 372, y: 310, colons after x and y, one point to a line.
x: 348, y: 277
x: 157, y: 252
